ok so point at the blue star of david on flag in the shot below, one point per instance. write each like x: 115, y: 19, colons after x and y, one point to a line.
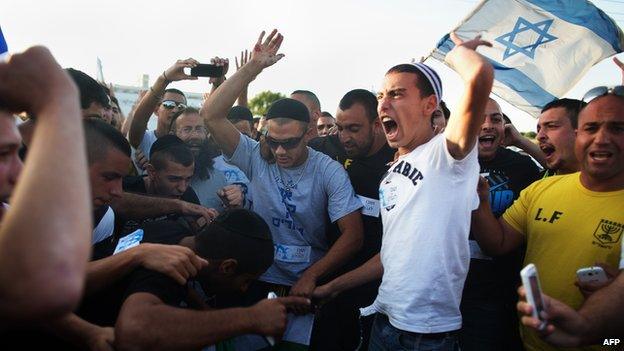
x: 3, y: 44
x: 523, y: 25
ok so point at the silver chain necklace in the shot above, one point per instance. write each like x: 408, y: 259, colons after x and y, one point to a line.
x: 292, y: 185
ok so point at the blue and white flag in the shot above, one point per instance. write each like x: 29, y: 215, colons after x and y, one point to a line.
x: 3, y: 45
x: 541, y: 48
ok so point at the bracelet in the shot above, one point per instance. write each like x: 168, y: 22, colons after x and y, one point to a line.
x: 158, y: 96
x: 165, y: 76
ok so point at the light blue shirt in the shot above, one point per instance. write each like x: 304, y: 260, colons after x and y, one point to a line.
x: 320, y: 190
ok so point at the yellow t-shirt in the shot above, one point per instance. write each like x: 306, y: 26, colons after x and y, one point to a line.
x: 567, y: 227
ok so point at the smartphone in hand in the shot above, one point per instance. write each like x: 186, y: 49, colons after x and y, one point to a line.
x: 206, y: 70
x: 531, y: 283
x: 591, y: 275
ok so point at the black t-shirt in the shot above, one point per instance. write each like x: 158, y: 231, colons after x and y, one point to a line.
x: 159, y: 285
x: 102, y: 307
x: 509, y: 173
x: 365, y: 174
x: 167, y: 229
x: 329, y: 145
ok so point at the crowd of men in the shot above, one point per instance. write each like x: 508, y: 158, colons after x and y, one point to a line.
x: 395, y: 224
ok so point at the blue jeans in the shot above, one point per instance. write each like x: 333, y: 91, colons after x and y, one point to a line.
x: 385, y: 337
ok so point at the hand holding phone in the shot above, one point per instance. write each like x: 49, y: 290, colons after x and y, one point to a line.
x: 206, y: 70
x: 531, y: 283
x: 270, y: 339
x: 592, y: 274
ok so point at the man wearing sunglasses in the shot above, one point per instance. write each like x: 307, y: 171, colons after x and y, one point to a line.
x: 295, y: 189
x: 164, y: 103
x: 581, y: 212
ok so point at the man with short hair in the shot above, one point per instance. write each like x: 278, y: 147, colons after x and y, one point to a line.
x: 556, y: 132
x: 488, y: 313
x: 294, y: 188
x: 361, y: 147
x: 242, y: 119
x: 313, y: 105
x: 94, y: 103
x: 239, y: 246
x: 218, y: 185
x: 93, y: 98
x: 164, y: 103
x: 425, y: 227
x: 581, y: 212
x: 325, y: 123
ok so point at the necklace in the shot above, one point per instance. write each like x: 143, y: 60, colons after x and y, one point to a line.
x: 288, y: 187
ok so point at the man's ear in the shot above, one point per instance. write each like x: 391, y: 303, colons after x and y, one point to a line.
x: 430, y: 105
x: 228, y: 267
x: 151, y: 171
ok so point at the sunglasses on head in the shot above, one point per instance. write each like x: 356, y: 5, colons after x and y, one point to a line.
x: 602, y: 91
x: 170, y: 105
x: 287, y: 144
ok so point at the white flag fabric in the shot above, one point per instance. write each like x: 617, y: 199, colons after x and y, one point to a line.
x: 541, y: 48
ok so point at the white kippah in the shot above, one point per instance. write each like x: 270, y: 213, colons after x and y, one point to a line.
x: 433, y: 77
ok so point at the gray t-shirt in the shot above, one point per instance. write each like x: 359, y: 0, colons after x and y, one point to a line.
x: 297, y: 217
x: 206, y: 189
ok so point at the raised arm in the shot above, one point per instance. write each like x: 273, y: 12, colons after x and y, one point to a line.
x: 125, y: 127
x: 495, y: 236
x: 478, y: 75
x: 620, y: 65
x: 45, y: 236
x: 242, y: 98
x: 149, y: 102
x: 514, y: 138
x: 215, y: 108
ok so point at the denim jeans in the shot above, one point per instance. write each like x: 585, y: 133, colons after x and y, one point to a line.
x: 385, y: 337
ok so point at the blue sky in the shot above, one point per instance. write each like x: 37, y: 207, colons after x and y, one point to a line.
x: 331, y: 47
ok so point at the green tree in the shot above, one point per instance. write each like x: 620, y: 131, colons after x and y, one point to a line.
x: 530, y: 135
x: 260, y: 103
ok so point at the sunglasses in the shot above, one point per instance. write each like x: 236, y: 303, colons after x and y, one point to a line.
x: 602, y: 91
x: 287, y: 144
x: 170, y: 105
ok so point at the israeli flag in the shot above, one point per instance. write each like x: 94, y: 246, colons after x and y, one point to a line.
x: 541, y: 48
x: 3, y: 45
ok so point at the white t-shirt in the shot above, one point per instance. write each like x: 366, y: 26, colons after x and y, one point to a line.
x: 426, y: 200
x: 105, y: 227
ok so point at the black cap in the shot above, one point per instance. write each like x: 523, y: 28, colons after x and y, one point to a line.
x: 165, y: 142
x: 289, y: 108
x: 240, y: 113
x: 244, y: 222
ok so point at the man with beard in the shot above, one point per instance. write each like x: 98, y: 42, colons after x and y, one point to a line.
x: 313, y: 104
x: 210, y: 184
x: 581, y: 212
x: 556, y: 131
x: 361, y: 147
x: 488, y: 299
